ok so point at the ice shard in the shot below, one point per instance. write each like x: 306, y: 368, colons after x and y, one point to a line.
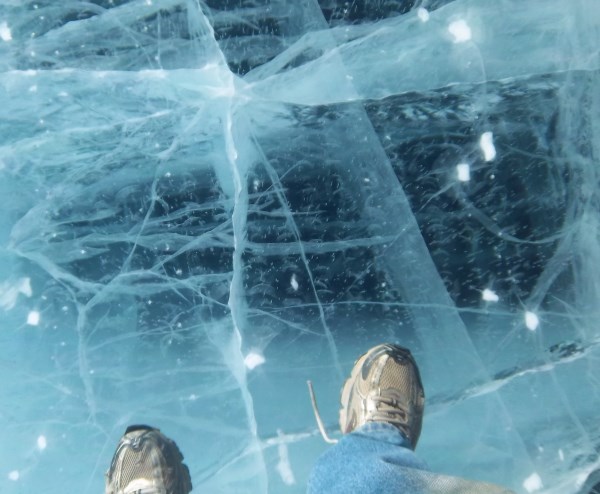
x: 208, y: 203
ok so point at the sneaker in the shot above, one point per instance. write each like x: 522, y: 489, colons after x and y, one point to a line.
x: 147, y: 462
x: 384, y: 386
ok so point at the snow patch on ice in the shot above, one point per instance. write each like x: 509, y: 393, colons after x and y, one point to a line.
x: 42, y: 443
x: 486, y: 143
x: 489, y: 295
x: 294, y: 283
x: 33, y: 318
x: 460, y: 30
x: 532, y: 321
x: 5, y: 33
x: 423, y: 14
x: 463, y: 171
x: 253, y: 360
x: 533, y: 483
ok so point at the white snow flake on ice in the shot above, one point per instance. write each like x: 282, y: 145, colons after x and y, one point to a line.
x: 486, y: 143
x: 489, y: 295
x: 33, y: 318
x: 423, y: 14
x: 531, y: 320
x: 294, y: 283
x: 463, y: 171
x: 42, y: 443
x: 253, y: 360
x: 14, y: 475
x: 533, y: 483
x: 5, y: 33
x: 460, y: 30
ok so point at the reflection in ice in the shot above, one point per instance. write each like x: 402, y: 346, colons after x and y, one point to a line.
x: 207, y: 204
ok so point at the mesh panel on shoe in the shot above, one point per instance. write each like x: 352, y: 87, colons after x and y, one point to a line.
x: 146, y: 461
x: 138, y: 463
x: 399, y: 376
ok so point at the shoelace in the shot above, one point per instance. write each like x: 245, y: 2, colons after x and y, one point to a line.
x: 322, y: 430
x: 387, y: 406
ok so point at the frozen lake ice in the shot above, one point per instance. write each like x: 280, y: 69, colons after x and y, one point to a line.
x: 206, y: 204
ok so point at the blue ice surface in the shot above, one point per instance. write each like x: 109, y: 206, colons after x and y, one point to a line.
x: 205, y: 204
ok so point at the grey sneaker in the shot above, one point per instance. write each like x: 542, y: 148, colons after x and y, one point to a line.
x: 147, y: 462
x: 384, y: 386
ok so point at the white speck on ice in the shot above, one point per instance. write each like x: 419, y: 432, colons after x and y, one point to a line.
x: 14, y: 475
x: 253, y: 360
x: 294, y: 283
x: 489, y: 295
x: 463, y: 171
x: 460, y: 30
x: 486, y: 143
x: 283, y: 466
x: 5, y: 33
x: 533, y: 483
x: 423, y: 14
x: 33, y: 89
x: 33, y: 318
x: 531, y: 320
x: 42, y: 443
x: 561, y: 455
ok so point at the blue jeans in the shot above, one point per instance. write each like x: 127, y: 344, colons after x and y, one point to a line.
x: 375, y: 458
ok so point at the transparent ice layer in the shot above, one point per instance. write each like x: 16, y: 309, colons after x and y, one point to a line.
x: 207, y: 204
